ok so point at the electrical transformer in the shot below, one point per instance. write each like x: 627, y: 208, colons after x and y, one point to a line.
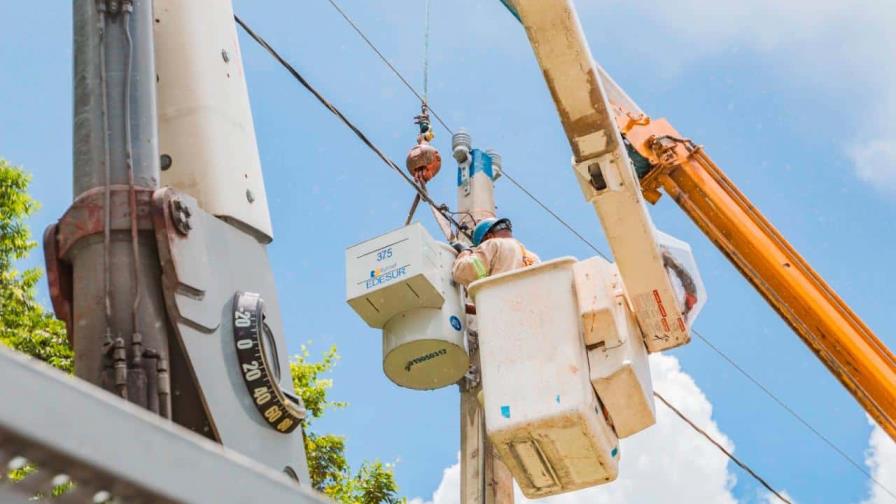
x: 401, y: 283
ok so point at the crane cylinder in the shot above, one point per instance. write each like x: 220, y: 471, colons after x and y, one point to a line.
x: 401, y: 282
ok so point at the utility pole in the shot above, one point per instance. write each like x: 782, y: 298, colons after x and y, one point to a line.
x: 484, y: 478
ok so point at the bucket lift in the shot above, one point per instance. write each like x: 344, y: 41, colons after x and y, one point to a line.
x: 565, y: 372
x: 562, y: 345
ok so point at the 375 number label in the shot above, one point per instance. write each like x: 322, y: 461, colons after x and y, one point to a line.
x: 258, y: 364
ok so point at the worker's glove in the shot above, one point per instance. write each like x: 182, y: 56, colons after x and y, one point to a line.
x: 459, y: 247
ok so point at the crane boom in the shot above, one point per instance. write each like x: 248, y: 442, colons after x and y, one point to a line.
x: 585, y: 96
x: 831, y: 329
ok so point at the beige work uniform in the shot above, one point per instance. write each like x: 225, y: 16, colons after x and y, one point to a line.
x: 493, y: 256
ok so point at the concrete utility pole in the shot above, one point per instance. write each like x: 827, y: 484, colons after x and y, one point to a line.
x: 119, y: 342
x: 484, y: 478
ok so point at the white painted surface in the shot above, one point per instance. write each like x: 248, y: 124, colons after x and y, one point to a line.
x: 621, y: 378
x: 205, y: 121
x: 393, y: 273
x: 401, y: 282
x: 600, y: 300
x: 617, y: 358
x: 541, y: 411
x: 578, y: 91
x: 424, y: 348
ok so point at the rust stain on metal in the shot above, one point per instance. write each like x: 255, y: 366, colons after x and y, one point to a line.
x: 59, y: 280
x: 85, y: 216
x: 578, y: 126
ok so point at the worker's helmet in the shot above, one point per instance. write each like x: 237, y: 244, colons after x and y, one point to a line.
x: 485, y: 226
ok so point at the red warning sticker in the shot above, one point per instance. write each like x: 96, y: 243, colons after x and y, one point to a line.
x: 662, y: 329
x: 659, y: 302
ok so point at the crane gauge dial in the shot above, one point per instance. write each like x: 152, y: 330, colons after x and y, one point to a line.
x: 256, y: 353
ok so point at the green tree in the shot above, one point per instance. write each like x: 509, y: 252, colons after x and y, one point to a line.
x: 374, y: 482
x: 24, y: 324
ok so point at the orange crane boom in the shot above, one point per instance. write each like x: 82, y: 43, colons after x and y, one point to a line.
x: 851, y: 351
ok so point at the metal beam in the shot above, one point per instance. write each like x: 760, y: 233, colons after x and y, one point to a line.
x: 67, y: 426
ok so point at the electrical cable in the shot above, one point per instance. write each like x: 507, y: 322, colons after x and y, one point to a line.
x: 426, y: 54
x: 554, y: 215
x: 443, y: 209
x: 132, y: 188
x: 565, y: 224
x: 792, y: 413
x: 724, y: 450
x: 387, y: 62
x: 107, y: 170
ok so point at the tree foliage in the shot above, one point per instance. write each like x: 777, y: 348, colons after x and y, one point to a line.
x: 374, y: 482
x: 24, y: 324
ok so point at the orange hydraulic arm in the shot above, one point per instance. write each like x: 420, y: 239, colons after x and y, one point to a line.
x: 824, y: 322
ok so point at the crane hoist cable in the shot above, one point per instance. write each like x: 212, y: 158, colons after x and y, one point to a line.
x: 424, y: 161
x: 590, y: 245
x: 442, y: 208
x: 389, y: 64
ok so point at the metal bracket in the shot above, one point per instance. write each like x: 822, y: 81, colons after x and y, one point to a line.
x: 201, y: 271
x: 86, y: 217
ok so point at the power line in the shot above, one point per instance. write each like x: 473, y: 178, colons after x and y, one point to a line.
x: 443, y: 209
x: 424, y: 99
x: 387, y: 62
x: 724, y: 450
x: 590, y: 245
x: 792, y: 413
x: 554, y: 215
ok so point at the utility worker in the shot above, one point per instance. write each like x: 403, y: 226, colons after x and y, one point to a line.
x: 494, y: 251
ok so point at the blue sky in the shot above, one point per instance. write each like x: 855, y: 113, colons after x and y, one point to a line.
x: 792, y: 102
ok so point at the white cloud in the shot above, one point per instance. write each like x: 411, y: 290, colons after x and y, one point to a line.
x: 841, y: 50
x: 881, y: 461
x: 448, y: 491
x: 667, y: 459
x: 875, y: 161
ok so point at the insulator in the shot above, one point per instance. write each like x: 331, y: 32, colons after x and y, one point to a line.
x: 461, y: 144
x: 497, y: 162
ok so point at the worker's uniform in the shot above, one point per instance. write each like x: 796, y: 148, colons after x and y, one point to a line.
x: 493, y: 256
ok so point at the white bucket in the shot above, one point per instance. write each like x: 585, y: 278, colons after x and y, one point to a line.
x: 541, y: 412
